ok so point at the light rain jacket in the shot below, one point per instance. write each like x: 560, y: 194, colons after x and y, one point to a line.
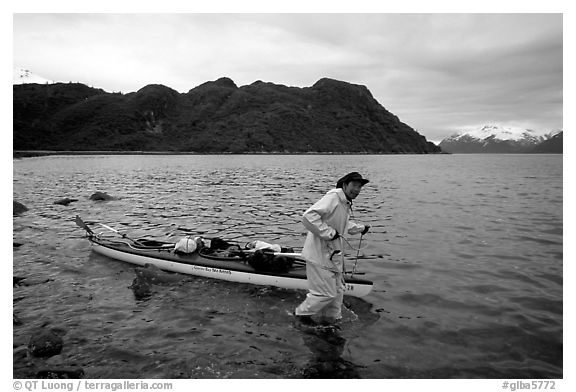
x: 329, y: 214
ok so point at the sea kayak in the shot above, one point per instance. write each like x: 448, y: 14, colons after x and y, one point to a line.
x: 230, y: 264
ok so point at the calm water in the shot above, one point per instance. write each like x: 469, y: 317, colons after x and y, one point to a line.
x: 465, y: 252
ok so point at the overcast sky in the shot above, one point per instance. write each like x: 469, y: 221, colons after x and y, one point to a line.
x: 439, y: 73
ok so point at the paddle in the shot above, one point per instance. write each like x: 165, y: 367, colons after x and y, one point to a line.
x: 114, y: 230
x: 83, y: 225
x: 271, y: 252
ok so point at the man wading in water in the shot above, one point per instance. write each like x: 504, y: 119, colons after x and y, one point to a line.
x: 326, y: 221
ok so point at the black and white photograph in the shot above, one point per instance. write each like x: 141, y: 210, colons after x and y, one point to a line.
x: 226, y: 195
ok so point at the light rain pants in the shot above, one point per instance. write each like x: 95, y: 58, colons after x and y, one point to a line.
x: 325, y: 295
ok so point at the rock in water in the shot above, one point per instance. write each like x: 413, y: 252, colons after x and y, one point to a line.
x: 152, y: 274
x: 101, y: 196
x: 141, y: 288
x: 18, y: 208
x: 33, y: 281
x: 45, y: 344
x: 65, y: 201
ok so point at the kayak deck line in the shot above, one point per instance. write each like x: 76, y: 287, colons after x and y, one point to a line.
x: 166, y: 254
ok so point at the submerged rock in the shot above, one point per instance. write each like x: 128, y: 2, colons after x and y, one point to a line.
x: 154, y: 275
x: 18, y: 208
x: 45, y: 344
x: 148, y: 276
x: 141, y: 288
x: 64, y: 373
x: 16, y: 320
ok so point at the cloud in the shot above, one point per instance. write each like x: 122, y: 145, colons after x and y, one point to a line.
x: 435, y: 71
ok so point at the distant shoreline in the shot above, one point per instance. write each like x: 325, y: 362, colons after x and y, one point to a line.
x: 40, y: 153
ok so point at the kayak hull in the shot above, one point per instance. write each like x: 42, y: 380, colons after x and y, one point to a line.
x: 228, y: 270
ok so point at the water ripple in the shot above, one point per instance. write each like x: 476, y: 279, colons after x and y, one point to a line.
x: 465, y: 252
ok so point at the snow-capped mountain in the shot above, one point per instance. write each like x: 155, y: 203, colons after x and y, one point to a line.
x: 22, y: 75
x: 495, y: 139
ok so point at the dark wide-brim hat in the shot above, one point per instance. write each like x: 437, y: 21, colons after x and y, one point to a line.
x: 354, y: 176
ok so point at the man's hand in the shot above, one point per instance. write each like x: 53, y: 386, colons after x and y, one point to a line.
x: 336, y: 236
x: 366, y: 228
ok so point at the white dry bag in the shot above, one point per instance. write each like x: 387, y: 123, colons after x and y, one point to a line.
x: 186, y: 245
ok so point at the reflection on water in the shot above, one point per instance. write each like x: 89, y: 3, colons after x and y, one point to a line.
x: 327, y: 347
x: 465, y: 252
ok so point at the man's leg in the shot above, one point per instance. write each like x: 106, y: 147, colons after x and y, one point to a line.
x: 333, y: 310
x: 323, y: 290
